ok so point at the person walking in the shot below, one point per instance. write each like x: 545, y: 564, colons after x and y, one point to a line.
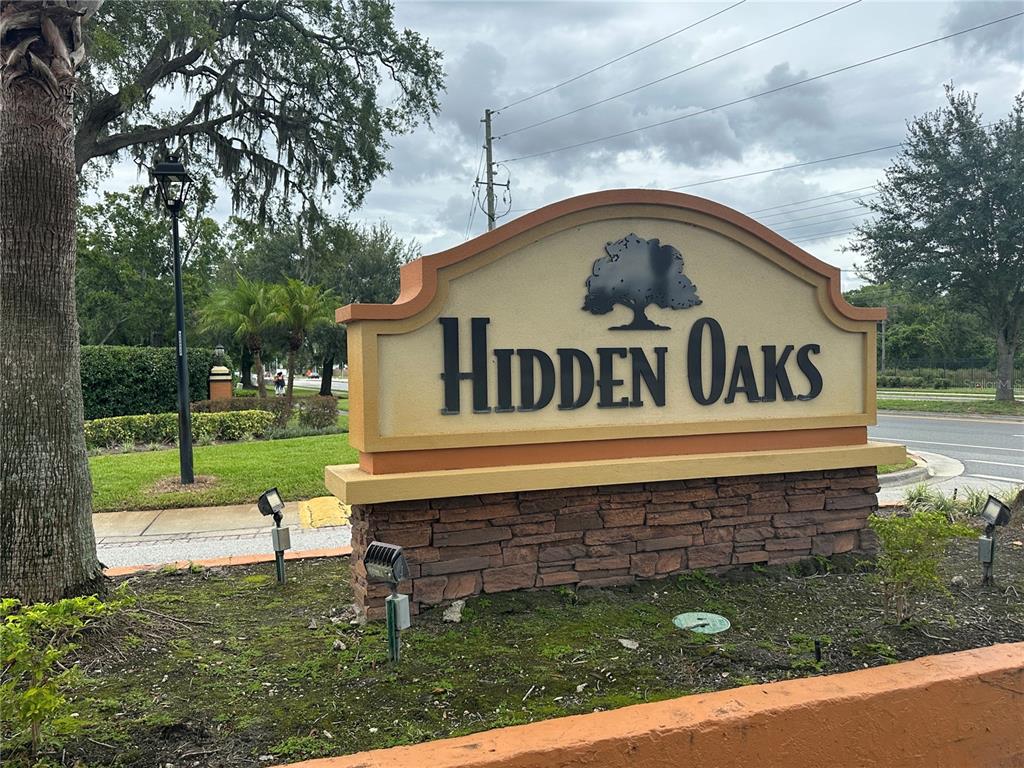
x: 279, y: 383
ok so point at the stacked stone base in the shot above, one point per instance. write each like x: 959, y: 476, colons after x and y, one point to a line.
x: 612, y: 535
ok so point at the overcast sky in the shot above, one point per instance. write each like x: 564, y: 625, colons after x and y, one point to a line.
x: 499, y: 52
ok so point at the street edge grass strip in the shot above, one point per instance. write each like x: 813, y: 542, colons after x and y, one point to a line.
x: 223, y: 562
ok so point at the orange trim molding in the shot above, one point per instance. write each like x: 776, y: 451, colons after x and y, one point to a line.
x: 590, y: 450
x: 420, y: 278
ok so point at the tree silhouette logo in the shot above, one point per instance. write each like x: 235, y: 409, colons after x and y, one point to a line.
x: 638, y: 273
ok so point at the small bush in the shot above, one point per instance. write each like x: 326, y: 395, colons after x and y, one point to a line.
x: 912, y: 548
x: 33, y: 641
x: 231, y: 404
x: 318, y: 412
x: 246, y: 393
x: 163, y: 428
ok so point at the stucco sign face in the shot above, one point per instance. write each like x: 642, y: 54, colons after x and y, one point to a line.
x: 619, y: 316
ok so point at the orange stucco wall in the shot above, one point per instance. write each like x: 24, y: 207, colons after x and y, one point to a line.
x: 959, y: 710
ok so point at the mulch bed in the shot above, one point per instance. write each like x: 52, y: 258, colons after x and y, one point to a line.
x: 224, y: 668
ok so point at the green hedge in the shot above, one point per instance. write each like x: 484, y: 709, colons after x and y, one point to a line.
x: 163, y: 428
x: 121, y: 381
x: 275, y: 405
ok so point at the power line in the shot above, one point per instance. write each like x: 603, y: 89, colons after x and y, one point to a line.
x: 620, y: 58
x: 824, y: 235
x: 788, y: 167
x: 847, y: 68
x: 476, y: 193
x: 680, y: 72
x: 813, y: 216
x: 840, y: 201
x: 812, y: 199
x: 821, y: 223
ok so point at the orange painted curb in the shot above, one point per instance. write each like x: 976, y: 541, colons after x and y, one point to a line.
x: 958, y: 710
x: 222, y: 562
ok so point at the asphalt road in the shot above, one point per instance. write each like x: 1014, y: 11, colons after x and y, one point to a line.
x: 989, y: 449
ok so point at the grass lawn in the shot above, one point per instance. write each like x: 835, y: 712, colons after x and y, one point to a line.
x: 223, y: 668
x: 980, y: 407
x: 243, y: 471
x: 886, y: 469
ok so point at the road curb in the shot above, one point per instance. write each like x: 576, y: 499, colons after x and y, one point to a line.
x: 1007, y: 417
x: 223, y: 562
x: 906, y: 476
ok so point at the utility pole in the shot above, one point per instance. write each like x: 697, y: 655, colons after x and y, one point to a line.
x: 488, y: 146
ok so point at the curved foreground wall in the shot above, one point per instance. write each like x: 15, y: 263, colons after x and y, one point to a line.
x: 960, y: 710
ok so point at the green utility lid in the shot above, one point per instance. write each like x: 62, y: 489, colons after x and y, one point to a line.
x: 705, y: 623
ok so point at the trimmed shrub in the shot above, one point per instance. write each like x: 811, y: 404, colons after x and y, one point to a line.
x: 278, y: 406
x: 318, y: 412
x: 122, y: 381
x: 163, y: 428
x: 246, y: 393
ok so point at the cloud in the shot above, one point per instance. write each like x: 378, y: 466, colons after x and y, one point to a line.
x: 1003, y: 41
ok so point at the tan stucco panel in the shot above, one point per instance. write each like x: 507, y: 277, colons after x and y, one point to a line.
x: 534, y: 296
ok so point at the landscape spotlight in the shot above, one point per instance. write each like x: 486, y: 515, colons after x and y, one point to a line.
x: 386, y: 562
x: 270, y: 503
x: 993, y: 513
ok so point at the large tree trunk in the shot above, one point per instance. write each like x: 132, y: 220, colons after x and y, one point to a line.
x: 246, y: 367
x: 257, y: 364
x: 291, y: 376
x: 326, y: 373
x: 1006, y: 350
x: 47, y: 545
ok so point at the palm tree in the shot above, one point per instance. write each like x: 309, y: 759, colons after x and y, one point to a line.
x: 300, y: 308
x: 247, y: 311
x: 46, y: 533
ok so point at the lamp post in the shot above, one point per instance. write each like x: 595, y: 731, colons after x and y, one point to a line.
x: 174, y: 183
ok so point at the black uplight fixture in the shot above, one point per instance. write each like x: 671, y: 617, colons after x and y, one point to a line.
x: 174, y: 182
x: 270, y: 504
x: 387, y: 563
x: 994, y: 513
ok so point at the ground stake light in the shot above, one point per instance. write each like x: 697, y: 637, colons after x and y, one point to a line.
x: 386, y: 562
x: 993, y: 513
x: 270, y: 503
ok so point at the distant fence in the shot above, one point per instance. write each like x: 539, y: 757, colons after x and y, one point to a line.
x: 948, y: 374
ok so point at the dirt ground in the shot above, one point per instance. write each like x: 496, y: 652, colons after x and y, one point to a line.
x: 224, y: 668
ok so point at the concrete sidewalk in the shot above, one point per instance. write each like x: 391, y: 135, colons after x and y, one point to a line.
x: 151, y: 537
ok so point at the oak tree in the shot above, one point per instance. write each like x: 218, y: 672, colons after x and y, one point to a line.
x: 949, y: 219
x: 287, y: 101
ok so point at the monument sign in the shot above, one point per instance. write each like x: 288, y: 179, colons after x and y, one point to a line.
x: 621, y: 385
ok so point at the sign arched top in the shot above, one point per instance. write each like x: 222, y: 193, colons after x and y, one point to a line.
x: 421, y: 278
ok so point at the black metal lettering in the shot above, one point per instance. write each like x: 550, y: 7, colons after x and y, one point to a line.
x: 504, y: 358
x: 528, y: 399
x: 607, y: 382
x: 453, y: 376
x: 743, y: 379
x: 694, y: 357
x: 775, y: 376
x: 803, y: 360
x: 571, y: 400
x: 642, y: 371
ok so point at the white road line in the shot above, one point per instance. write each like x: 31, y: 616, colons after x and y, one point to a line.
x: 997, y: 463
x: 953, y: 445
x: 976, y: 419
x: 1014, y: 480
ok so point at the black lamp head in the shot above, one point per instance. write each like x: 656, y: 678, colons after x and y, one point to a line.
x: 995, y: 512
x: 270, y: 503
x: 173, y: 181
